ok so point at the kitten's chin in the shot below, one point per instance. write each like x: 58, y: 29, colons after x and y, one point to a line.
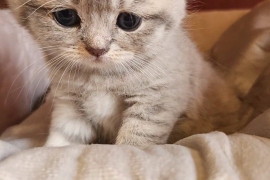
x: 98, y: 63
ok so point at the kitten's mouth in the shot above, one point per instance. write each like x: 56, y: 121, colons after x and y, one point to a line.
x: 98, y: 60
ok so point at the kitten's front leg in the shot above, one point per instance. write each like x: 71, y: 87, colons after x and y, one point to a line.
x: 69, y: 127
x: 147, y: 123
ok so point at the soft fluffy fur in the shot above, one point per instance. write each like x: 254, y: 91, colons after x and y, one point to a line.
x: 147, y: 80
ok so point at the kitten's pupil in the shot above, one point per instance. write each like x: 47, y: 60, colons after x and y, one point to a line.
x: 67, y: 18
x: 67, y: 14
x: 128, y: 21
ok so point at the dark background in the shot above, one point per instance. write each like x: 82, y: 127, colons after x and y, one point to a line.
x: 2, y: 3
x: 207, y: 4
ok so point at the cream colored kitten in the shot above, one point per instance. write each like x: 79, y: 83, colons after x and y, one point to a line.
x: 123, y: 71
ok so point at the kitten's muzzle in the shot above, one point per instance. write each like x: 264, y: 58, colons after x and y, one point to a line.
x: 96, y: 51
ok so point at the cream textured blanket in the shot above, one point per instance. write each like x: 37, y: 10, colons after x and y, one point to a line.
x: 207, y: 156
x: 244, y: 155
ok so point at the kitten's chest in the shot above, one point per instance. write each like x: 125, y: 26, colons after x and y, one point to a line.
x: 102, y: 105
x: 83, y: 83
x: 104, y: 110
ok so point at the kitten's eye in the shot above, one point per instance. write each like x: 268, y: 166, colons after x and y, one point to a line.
x: 67, y: 18
x: 128, y: 21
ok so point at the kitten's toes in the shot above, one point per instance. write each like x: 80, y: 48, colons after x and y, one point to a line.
x: 56, y: 140
x: 137, y: 142
x: 56, y: 144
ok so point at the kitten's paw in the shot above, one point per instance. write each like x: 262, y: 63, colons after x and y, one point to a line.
x: 56, y: 144
x: 135, y: 141
x: 56, y: 139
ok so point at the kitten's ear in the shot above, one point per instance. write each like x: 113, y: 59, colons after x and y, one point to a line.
x: 175, y: 9
x: 13, y: 4
x: 178, y: 9
x: 16, y: 5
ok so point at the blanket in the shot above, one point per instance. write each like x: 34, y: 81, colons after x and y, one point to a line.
x: 215, y: 155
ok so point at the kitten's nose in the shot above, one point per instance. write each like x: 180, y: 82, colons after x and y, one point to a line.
x: 96, y: 51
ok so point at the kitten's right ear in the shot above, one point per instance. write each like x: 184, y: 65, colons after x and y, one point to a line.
x: 18, y: 10
x: 13, y: 4
x: 16, y: 6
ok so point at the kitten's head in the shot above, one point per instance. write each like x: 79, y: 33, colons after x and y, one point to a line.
x: 100, y: 34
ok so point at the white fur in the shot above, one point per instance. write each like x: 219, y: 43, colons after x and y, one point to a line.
x: 57, y: 139
x: 71, y: 124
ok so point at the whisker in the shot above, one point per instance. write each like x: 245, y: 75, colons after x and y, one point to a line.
x: 20, y: 75
x: 22, y: 5
x: 70, y: 67
x: 39, y: 8
x: 57, y: 70
x: 29, y: 80
x: 37, y: 72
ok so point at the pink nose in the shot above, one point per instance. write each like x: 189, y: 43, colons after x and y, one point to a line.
x: 97, y: 52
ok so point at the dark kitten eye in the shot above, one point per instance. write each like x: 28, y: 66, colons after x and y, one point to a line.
x: 128, y: 21
x: 67, y: 17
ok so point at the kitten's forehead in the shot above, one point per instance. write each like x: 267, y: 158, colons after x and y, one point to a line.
x: 137, y: 5
x: 99, y: 5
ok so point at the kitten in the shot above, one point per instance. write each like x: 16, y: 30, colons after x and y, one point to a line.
x: 122, y: 71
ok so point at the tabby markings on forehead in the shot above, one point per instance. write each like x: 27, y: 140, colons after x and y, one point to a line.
x: 108, y: 3
x: 139, y: 1
x: 76, y: 1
